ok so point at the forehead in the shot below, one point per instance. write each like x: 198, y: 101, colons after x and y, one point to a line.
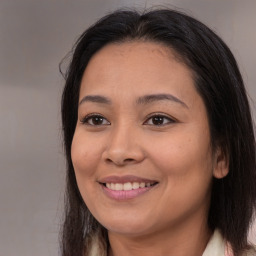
x: 136, y: 67
x: 132, y: 48
x: 134, y: 52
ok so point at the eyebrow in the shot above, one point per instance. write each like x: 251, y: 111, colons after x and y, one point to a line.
x: 95, y: 98
x: 159, y: 97
x: 143, y: 100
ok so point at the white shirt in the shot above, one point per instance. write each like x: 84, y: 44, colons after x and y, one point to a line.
x: 217, y: 246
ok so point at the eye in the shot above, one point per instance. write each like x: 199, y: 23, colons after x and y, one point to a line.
x: 95, y: 120
x: 159, y: 120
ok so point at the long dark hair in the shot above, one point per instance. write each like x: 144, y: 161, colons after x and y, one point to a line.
x: 219, y: 83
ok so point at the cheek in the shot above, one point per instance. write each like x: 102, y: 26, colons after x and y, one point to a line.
x: 85, y: 155
x: 185, y: 164
x: 183, y: 154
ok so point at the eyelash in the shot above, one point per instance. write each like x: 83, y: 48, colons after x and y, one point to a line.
x: 89, y: 117
x: 163, y: 117
x: 86, y: 120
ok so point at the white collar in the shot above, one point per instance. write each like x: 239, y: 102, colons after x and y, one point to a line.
x: 216, y: 245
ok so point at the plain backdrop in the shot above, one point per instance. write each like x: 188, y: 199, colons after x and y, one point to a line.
x: 34, y: 36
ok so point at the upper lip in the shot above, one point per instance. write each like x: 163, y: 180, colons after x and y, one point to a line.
x: 125, y: 179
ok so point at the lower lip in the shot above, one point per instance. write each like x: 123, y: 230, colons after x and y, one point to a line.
x: 125, y: 194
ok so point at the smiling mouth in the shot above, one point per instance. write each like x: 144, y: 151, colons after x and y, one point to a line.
x: 128, y: 185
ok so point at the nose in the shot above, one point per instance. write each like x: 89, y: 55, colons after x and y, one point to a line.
x: 123, y: 147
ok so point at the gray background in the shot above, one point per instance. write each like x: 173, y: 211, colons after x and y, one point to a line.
x: 34, y: 36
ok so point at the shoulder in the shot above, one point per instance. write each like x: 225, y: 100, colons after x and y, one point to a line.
x: 250, y: 252
x: 218, y: 246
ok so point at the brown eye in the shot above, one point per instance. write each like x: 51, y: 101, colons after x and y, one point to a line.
x: 95, y: 120
x: 159, y: 120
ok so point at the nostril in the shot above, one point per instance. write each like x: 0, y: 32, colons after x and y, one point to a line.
x: 129, y: 160
x: 120, y: 162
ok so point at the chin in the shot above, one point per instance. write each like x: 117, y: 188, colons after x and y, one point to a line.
x: 126, y: 226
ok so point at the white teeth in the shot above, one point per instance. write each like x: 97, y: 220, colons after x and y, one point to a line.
x: 127, y: 186
x: 119, y: 186
x: 142, y: 185
x: 135, y: 185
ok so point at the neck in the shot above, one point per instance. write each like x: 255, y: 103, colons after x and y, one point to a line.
x: 183, y: 240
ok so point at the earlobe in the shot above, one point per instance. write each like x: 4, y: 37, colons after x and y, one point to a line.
x: 221, y: 164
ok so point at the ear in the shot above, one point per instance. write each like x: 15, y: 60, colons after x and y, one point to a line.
x: 221, y: 163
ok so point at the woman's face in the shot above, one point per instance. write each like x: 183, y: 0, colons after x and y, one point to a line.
x: 141, y: 149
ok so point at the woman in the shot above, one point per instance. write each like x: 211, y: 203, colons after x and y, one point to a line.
x: 159, y: 141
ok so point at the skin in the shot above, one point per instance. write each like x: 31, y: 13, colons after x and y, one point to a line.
x: 171, y: 218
